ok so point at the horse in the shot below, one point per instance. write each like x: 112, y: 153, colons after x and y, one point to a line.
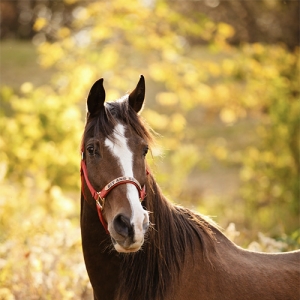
x: 137, y: 245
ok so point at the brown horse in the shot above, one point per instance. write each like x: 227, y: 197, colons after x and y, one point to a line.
x: 182, y: 255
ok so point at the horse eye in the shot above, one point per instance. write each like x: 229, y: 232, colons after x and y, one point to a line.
x: 90, y: 150
x: 145, y: 151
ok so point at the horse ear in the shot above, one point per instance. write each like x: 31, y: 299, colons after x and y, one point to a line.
x: 137, y: 96
x: 96, y: 97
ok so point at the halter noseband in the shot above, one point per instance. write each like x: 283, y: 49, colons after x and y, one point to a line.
x: 100, y: 196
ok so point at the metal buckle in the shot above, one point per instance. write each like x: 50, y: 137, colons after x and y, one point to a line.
x: 101, y: 206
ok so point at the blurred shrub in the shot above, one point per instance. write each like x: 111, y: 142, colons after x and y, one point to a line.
x: 264, y: 243
x: 271, y: 168
x: 40, y: 256
x: 40, y: 137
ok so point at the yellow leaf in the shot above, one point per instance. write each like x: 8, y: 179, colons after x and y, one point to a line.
x: 40, y: 23
x: 167, y: 99
x: 70, y: 2
x: 63, y: 32
x: 178, y: 123
x: 157, y: 121
x: 26, y: 87
x: 225, y: 30
x: 228, y: 116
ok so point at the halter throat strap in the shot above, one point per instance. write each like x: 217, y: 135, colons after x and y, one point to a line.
x: 101, y: 196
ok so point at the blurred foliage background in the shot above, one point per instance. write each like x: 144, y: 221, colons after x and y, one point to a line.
x: 222, y: 92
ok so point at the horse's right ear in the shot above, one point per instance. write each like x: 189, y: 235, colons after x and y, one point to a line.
x: 137, y: 96
x: 96, y: 98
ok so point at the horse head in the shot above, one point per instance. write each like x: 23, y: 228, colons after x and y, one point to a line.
x: 113, y: 159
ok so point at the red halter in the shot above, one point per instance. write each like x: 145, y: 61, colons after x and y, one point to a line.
x: 100, y: 196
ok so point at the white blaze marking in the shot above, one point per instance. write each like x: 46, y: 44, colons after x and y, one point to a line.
x: 122, y: 152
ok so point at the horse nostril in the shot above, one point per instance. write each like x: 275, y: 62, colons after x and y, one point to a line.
x: 122, y: 225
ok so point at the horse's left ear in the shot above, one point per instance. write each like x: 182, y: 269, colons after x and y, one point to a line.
x: 137, y: 96
x: 96, y: 98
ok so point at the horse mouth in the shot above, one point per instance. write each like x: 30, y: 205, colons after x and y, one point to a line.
x: 122, y: 249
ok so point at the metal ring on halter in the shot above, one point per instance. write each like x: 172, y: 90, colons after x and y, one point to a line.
x: 102, y: 200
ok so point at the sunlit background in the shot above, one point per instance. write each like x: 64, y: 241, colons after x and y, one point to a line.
x: 222, y: 92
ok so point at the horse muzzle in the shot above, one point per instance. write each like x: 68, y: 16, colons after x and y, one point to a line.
x: 125, y: 236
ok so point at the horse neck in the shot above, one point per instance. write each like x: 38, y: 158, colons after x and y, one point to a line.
x: 101, y: 262
x: 182, y: 223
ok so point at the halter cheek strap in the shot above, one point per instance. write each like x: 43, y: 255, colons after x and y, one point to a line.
x: 100, y: 196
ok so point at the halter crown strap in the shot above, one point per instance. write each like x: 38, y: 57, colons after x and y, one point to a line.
x: 100, y: 196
